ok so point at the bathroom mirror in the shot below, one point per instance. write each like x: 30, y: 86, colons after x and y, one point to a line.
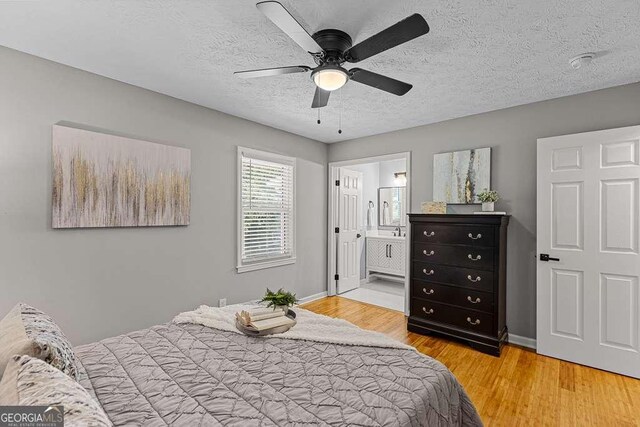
x: 392, y: 207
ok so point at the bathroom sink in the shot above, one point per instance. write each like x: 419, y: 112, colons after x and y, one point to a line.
x: 387, y: 234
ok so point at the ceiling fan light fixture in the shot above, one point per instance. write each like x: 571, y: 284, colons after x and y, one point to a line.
x: 330, y: 79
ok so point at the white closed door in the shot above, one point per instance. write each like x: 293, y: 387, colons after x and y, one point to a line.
x: 349, y: 214
x: 588, y: 301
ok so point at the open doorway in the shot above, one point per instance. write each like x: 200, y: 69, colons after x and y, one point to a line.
x: 369, y: 199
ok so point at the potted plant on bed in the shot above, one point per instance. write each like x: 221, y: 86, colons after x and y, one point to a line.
x: 280, y: 299
x: 488, y: 199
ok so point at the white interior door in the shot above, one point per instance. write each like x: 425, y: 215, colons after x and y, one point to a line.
x: 349, y: 214
x: 588, y: 300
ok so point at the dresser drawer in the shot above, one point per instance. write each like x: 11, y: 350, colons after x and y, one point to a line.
x: 472, y: 320
x: 478, y: 280
x: 464, y: 298
x: 459, y: 256
x: 458, y: 234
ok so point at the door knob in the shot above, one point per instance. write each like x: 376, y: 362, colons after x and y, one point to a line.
x: 546, y: 257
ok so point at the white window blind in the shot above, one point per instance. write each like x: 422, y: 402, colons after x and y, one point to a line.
x: 267, y: 210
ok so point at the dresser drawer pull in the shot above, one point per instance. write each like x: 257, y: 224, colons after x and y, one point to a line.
x: 428, y: 273
x: 429, y: 234
x: 476, y: 322
x: 477, y: 279
x: 477, y: 258
x: 429, y: 253
x: 473, y: 301
x: 479, y: 236
x: 430, y: 311
x: 428, y: 292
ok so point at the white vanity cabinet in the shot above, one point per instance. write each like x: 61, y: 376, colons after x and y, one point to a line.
x: 386, y: 256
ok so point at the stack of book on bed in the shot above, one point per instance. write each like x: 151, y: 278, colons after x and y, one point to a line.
x: 264, y: 318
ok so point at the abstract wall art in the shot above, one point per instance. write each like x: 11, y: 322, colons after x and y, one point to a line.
x: 102, y: 180
x: 459, y: 176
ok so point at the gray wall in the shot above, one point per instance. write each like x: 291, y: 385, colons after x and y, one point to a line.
x: 101, y: 282
x: 387, y: 170
x: 512, y: 134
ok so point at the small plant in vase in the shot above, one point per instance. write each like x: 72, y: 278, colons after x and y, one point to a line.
x: 488, y: 199
x: 280, y: 299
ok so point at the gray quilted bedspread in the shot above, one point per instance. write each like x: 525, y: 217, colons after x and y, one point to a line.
x: 191, y: 375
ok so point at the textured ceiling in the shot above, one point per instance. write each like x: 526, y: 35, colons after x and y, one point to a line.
x: 479, y: 55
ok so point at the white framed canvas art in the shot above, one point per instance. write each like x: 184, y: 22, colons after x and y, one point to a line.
x: 459, y: 176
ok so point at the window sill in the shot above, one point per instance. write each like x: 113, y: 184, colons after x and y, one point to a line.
x: 265, y: 264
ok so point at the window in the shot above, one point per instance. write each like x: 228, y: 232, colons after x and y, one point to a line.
x: 266, y: 206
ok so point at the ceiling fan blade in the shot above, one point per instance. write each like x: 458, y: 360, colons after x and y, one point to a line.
x: 379, y: 81
x: 405, y: 30
x: 321, y: 98
x: 287, y: 23
x: 266, y: 72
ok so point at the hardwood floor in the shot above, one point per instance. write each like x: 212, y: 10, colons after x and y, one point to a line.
x: 519, y: 388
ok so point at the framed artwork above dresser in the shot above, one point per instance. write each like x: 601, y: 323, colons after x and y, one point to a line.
x: 458, y: 278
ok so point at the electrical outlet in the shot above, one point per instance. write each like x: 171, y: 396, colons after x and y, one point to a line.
x: 222, y: 302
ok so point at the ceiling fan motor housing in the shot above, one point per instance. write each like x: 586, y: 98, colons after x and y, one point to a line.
x: 334, y: 43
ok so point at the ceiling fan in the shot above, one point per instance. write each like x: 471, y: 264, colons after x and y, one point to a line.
x: 331, y: 48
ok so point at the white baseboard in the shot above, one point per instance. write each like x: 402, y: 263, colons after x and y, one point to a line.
x: 312, y: 297
x: 364, y: 281
x: 523, y: 341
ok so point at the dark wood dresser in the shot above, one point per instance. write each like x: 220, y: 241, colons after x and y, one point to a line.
x: 458, y: 278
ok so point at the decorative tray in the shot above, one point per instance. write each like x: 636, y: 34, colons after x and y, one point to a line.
x: 249, y: 330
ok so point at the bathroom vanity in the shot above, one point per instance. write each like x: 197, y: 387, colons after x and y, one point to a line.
x: 385, y: 247
x: 386, y: 255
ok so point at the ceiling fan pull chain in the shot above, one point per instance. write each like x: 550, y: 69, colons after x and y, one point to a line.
x: 340, y: 114
x: 318, y: 115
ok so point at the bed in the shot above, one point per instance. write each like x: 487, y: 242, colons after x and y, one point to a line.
x: 191, y: 373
